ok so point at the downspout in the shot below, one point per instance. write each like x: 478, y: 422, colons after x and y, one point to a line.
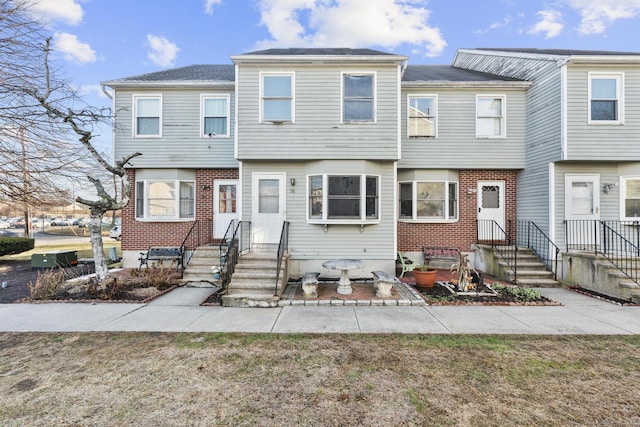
x: 106, y: 92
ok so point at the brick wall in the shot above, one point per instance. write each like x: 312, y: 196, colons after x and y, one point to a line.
x: 139, y: 235
x: 461, y: 234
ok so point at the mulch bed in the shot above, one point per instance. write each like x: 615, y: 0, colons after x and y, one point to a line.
x: 598, y: 295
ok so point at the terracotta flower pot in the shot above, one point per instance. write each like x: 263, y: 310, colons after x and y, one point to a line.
x: 425, y: 279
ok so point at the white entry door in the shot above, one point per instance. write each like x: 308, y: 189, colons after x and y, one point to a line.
x: 582, y: 207
x: 268, y: 212
x: 491, y: 207
x: 225, y: 205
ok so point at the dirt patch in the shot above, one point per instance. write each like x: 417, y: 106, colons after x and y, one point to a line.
x: 295, y: 379
x: 17, y: 274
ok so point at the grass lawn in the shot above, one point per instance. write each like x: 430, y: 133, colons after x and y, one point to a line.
x: 289, y: 380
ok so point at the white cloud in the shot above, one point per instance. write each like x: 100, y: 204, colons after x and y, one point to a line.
x: 162, y: 52
x: 73, y: 49
x: 208, y: 6
x: 67, y: 11
x: 506, y: 21
x: 87, y: 90
x: 550, y: 24
x: 597, y: 15
x: 350, y: 23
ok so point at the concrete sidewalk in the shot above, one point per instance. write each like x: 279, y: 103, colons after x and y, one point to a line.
x: 179, y: 311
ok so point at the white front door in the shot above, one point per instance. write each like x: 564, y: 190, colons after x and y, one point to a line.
x: 268, y: 212
x: 225, y: 205
x: 582, y: 207
x: 491, y: 207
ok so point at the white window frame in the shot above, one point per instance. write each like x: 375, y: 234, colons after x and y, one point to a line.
x: 503, y: 116
x: 623, y: 197
x: 134, y: 126
x: 434, y: 115
x: 292, y: 113
x: 145, y: 215
x: 448, y: 217
x: 374, y: 89
x: 203, y: 98
x: 324, y: 218
x: 619, y: 78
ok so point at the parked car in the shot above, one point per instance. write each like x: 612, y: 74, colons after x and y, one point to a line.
x: 59, y: 221
x: 4, y: 224
x: 115, y: 232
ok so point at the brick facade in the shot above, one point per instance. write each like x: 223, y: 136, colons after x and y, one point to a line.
x: 463, y: 233
x: 139, y: 235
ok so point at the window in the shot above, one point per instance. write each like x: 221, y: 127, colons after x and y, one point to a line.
x: 490, y: 121
x: 425, y: 200
x: 358, y: 98
x: 147, y: 116
x: 165, y: 199
x: 630, y: 198
x: 340, y: 198
x: 277, y: 98
x: 215, y: 116
x: 422, y: 116
x: 605, y: 98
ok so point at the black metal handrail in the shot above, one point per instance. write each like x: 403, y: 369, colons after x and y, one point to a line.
x: 617, y: 241
x: 529, y: 235
x: 200, y: 233
x: 236, y: 240
x: 491, y: 233
x: 283, y: 247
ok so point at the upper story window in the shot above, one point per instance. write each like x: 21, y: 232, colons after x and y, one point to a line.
x: 429, y: 200
x: 214, y: 110
x: 490, y: 116
x: 165, y: 200
x: 277, y: 97
x: 344, y: 198
x: 606, y: 98
x: 358, y: 91
x: 147, y: 116
x: 422, y: 116
x: 630, y: 198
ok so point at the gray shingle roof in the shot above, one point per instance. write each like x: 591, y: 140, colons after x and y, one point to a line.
x: 190, y: 73
x: 319, y: 51
x: 561, y: 52
x: 448, y: 73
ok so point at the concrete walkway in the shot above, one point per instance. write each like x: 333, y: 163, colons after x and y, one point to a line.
x: 179, y: 311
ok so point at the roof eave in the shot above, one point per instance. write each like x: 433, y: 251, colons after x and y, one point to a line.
x: 317, y: 59
x: 470, y: 84
x: 604, y: 59
x: 168, y: 84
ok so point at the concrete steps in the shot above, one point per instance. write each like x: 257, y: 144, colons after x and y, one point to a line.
x: 531, y: 271
x: 198, y: 272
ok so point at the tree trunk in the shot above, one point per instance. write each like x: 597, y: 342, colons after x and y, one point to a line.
x: 95, y: 228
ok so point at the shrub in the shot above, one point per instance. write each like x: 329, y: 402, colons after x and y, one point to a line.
x: 15, y: 245
x: 157, y: 276
x: 48, y: 285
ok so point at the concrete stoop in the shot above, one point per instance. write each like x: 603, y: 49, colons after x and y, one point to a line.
x: 626, y: 288
x: 531, y: 271
x: 198, y: 272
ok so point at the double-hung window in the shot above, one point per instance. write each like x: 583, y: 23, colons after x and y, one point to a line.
x: 147, y: 116
x: 422, y: 116
x: 165, y: 200
x: 214, y: 110
x: 630, y: 198
x: 429, y: 200
x: 278, y: 97
x: 358, y: 91
x: 344, y: 198
x: 606, y: 99
x: 491, y: 116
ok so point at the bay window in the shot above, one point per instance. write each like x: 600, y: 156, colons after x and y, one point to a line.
x: 165, y: 200
x: 343, y: 198
x: 630, y: 198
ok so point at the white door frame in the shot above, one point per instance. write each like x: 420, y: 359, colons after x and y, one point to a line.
x: 496, y: 214
x: 584, y: 206
x: 266, y: 227
x: 221, y: 220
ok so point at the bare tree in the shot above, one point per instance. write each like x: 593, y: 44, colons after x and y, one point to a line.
x: 40, y: 107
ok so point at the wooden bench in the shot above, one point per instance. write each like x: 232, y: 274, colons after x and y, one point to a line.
x: 383, y: 282
x: 163, y: 253
x: 310, y: 284
x: 441, y: 257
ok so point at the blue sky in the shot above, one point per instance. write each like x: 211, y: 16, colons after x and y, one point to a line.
x: 100, y: 40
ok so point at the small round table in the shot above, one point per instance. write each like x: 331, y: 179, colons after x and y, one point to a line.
x: 344, y: 265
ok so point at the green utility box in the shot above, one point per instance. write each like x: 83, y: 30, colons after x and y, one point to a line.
x: 54, y: 259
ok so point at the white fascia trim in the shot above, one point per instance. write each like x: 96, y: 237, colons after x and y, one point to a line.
x: 604, y: 59
x: 235, y: 122
x: 564, y: 135
x: 469, y: 84
x: 171, y: 84
x: 399, y: 112
x: 318, y: 59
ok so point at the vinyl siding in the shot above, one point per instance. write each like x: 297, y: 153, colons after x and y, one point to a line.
x: 543, y: 125
x: 603, y: 142
x: 456, y: 145
x: 318, y: 131
x: 180, y: 145
x: 311, y: 241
